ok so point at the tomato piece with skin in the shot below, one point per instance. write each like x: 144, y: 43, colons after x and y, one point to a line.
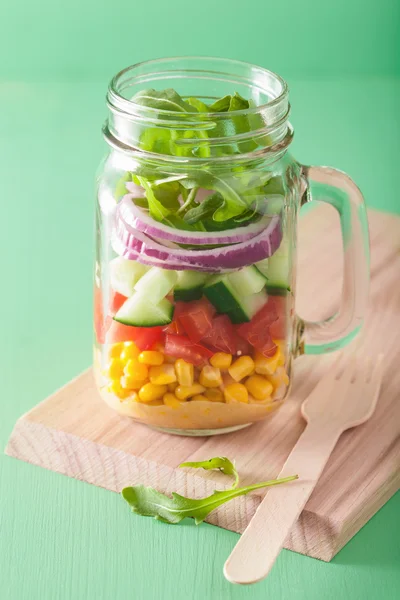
x: 196, y: 318
x: 278, y: 327
x: 144, y: 337
x: 180, y: 346
x: 221, y: 337
x: 116, y: 301
x: 101, y: 323
x: 258, y: 331
x: 243, y: 347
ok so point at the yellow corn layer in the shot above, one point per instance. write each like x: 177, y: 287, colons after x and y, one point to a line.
x: 214, y: 395
x: 199, y: 398
x: 151, y: 357
x: 115, y: 350
x: 115, y: 368
x: 282, y: 347
x: 116, y: 389
x: 184, y: 372
x: 162, y: 374
x: 267, y: 365
x: 131, y: 383
x: 172, y: 386
x: 183, y: 392
x: 221, y: 360
x: 150, y: 392
x: 236, y: 392
x: 172, y: 401
x: 279, y: 378
x: 210, y: 377
x: 130, y: 350
x: 242, y: 367
x: 135, y: 369
x: 259, y: 387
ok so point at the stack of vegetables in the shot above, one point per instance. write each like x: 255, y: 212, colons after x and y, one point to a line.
x: 198, y: 291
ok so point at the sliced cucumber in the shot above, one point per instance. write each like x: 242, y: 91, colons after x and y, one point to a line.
x: 226, y: 299
x: 190, y: 285
x: 138, y: 311
x: 247, y: 281
x: 156, y: 284
x: 276, y: 270
x: 124, y: 274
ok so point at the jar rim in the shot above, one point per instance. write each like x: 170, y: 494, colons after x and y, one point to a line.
x: 116, y: 99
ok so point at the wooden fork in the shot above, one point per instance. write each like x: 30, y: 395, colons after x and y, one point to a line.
x: 344, y: 398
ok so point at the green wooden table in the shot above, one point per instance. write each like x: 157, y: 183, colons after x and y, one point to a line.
x: 61, y: 539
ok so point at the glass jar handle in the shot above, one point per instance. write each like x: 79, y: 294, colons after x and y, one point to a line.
x: 338, y: 189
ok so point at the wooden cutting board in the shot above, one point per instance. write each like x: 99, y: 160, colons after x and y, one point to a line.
x: 73, y: 432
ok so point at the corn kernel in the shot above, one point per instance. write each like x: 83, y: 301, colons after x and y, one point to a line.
x: 115, y: 350
x: 259, y: 387
x: 278, y: 378
x: 115, y: 368
x: 172, y: 386
x: 172, y: 401
x: 282, y: 347
x: 151, y: 357
x: 267, y: 365
x: 183, y: 392
x: 116, y: 389
x: 162, y: 374
x: 150, y: 392
x: 129, y: 382
x: 130, y: 350
x: 221, y: 360
x: 236, y: 392
x: 184, y: 372
x: 134, y: 368
x: 210, y: 377
x: 198, y: 398
x: 214, y: 395
x: 242, y: 367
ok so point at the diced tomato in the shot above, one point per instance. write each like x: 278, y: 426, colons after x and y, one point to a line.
x: 278, y: 327
x: 144, y: 337
x: 196, y: 318
x: 221, y: 337
x: 101, y: 323
x: 242, y: 346
x: 180, y: 346
x: 116, y: 301
x: 174, y: 328
x: 258, y: 331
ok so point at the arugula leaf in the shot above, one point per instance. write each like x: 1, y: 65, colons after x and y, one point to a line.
x: 204, y: 210
x: 221, y: 105
x: 198, y: 104
x: 120, y: 188
x: 148, y: 502
x: 157, y: 210
x: 221, y: 463
x: 167, y: 99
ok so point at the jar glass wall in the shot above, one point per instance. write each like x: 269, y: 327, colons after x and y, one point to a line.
x: 196, y: 246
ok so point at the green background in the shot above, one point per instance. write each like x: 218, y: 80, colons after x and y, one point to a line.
x: 62, y: 539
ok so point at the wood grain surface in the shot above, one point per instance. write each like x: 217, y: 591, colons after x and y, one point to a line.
x: 74, y: 433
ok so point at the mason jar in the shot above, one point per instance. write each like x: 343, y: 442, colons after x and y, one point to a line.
x: 196, y: 229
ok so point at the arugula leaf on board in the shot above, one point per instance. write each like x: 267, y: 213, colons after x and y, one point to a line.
x: 148, y: 502
x: 221, y: 463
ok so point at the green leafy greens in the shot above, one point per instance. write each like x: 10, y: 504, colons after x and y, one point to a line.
x: 148, y: 502
x: 238, y: 190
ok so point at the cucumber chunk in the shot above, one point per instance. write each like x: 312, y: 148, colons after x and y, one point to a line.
x: 139, y: 312
x: 276, y: 270
x: 156, y: 284
x: 247, y: 281
x: 124, y: 274
x: 227, y: 300
x: 189, y: 286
